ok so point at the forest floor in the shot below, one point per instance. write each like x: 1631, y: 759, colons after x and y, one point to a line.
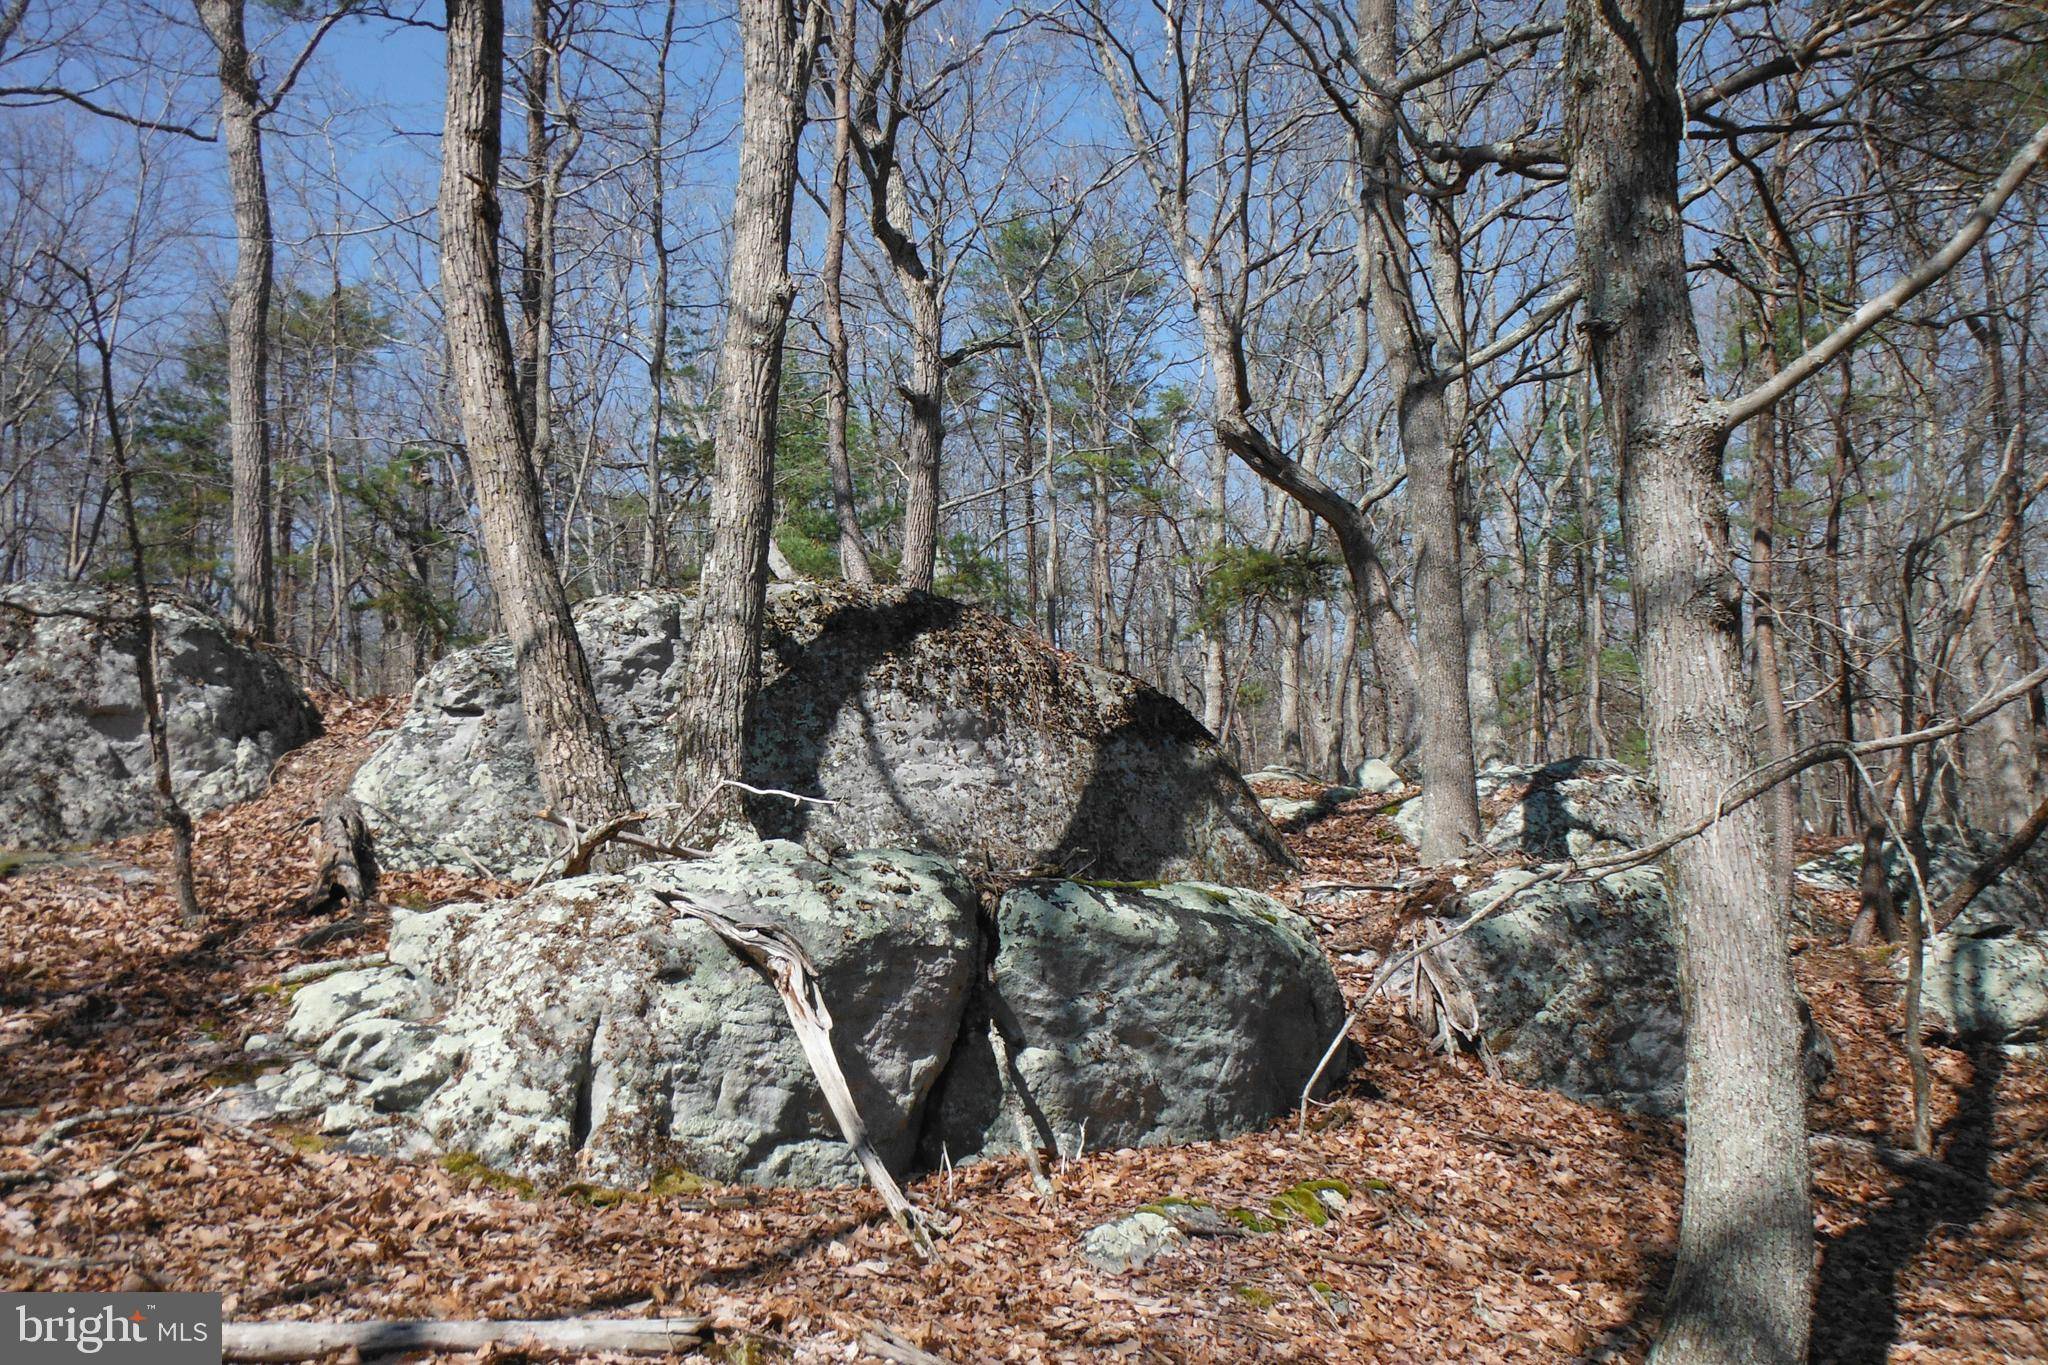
x: 1490, y: 1222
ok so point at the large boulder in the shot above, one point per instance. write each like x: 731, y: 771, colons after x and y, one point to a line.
x: 1574, y: 988
x: 1986, y: 985
x: 1572, y: 808
x: 2017, y: 900
x: 927, y: 723
x: 586, y: 1031
x: 75, y: 763
x: 1124, y: 1016
x: 1985, y: 976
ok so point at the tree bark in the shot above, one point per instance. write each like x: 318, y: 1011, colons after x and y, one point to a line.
x: 924, y: 436
x: 251, y: 585
x: 725, y: 657
x: 579, y: 773
x: 1742, y: 1286
x: 533, y: 305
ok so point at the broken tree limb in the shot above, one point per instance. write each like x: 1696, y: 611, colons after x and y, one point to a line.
x: 277, y: 1341
x: 878, y: 1340
x: 584, y: 844
x: 779, y: 955
x: 345, y: 859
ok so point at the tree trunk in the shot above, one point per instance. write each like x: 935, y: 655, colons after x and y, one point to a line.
x: 1215, y: 623
x: 725, y: 657
x: 925, y: 435
x: 654, y: 548
x: 251, y: 588
x: 853, y: 549
x: 1290, y: 623
x: 1450, y: 803
x: 173, y: 811
x: 1783, y: 802
x: 579, y: 773
x: 1592, y: 575
x: 1742, y: 1286
x: 532, y: 262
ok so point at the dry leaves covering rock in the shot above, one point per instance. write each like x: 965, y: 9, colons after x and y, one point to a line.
x: 1483, y: 1221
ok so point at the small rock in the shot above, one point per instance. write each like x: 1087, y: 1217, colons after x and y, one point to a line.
x: 1377, y: 777
x: 1127, y: 1244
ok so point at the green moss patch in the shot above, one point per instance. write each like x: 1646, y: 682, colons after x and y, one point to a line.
x: 1307, y: 1201
x: 470, y: 1166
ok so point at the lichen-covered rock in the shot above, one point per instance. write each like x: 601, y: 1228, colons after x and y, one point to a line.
x: 1575, y: 807
x: 1127, y: 1244
x: 75, y: 765
x: 2017, y: 900
x: 1987, y: 985
x: 1576, y: 989
x: 1122, y: 1017
x: 929, y: 724
x: 586, y: 1031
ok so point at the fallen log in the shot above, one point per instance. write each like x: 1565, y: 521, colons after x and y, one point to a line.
x: 277, y: 1341
x: 344, y: 859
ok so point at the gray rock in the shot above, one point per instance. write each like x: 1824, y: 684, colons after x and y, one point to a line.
x: 1575, y: 807
x: 2017, y: 900
x: 1287, y: 810
x: 1128, y: 1244
x: 930, y: 724
x: 1130, y: 1017
x: 1377, y: 777
x: 320, y: 1007
x: 585, y: 1031
x: 1576, y: 989
x: 1281, y: 773
x: 1987, y: 987
x: 75, y: 766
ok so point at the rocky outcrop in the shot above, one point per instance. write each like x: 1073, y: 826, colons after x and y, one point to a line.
x: 1121, y: 1017
x: 1986, y: 985
x: 1985, y: 977
x: 587, y: 1031
x: 1575, y: 807
x: 2017, y: 900
x: 927, y: 723
x: 75, y: 765
x: 1575, y: 989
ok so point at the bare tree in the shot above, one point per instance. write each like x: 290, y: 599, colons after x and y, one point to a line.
x: 778, y: 46
x: 853, y: 550
x: 579, y: 773
x: 1742, y: 1286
